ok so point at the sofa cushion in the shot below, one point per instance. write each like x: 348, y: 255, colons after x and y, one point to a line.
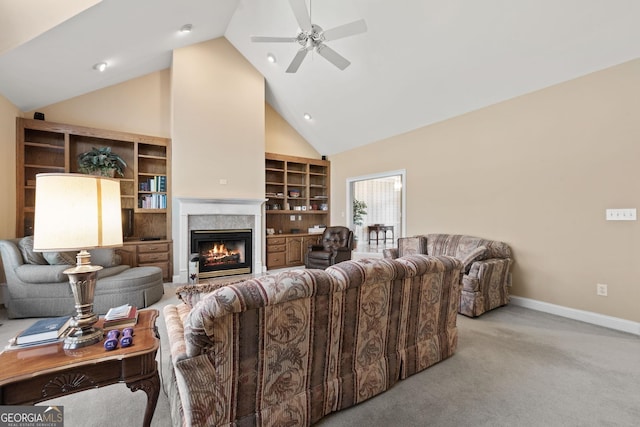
x: 412, y: 245
x: 460, y: 246
x: 28, y: 255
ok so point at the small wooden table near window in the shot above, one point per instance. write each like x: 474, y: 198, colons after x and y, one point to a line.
x: 34, y: 374
x: 379, y: 228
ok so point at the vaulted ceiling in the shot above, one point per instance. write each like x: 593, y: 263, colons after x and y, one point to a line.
x: 419, y: 62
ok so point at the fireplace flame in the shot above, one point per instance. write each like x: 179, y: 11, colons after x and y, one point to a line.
x: 219, y: 254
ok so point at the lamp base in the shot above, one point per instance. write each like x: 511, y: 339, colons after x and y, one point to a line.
x: 82, y: 279
x: 82, y: 338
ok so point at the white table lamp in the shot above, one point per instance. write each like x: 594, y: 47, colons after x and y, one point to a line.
x: 78, y: 212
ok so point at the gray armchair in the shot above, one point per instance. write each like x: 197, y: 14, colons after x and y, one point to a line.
x: 336, y: 246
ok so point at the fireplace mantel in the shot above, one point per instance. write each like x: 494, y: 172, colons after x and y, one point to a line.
x: 184, y: 207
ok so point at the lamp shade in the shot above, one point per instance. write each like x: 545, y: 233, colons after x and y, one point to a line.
x: 75, y: 211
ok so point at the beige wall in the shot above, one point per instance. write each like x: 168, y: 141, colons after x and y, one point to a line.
x: 218, y: 123
x: 21, y: 21
x: 8, y: 114
x: 281, y: 138
x: 140, y: 105
x: 537, y: 172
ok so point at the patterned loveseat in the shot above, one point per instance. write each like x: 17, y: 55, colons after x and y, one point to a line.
x: 289, y: 348
x: 486, y: 266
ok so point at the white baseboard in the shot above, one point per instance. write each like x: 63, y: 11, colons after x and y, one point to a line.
x: 581, y: 315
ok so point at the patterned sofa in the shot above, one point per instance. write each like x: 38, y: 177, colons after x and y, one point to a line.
x: 486, y: 266
x: 289, y: 348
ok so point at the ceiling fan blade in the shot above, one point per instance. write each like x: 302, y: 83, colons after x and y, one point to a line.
x: 297, y: 60
x: 261, y: 39
x: 350, y: 29
x: 332, y: 56
x: 301, y: 13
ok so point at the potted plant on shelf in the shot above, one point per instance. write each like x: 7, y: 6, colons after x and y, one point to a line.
x: 359, y: 211
x: 101, y: 161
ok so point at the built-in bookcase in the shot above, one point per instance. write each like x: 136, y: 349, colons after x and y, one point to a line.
x: 297, y: 190
x: 54, y: 147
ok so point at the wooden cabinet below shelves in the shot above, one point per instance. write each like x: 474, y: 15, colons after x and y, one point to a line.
x: 289, y: 250
x: 276, y: 252
x: 142, y: 254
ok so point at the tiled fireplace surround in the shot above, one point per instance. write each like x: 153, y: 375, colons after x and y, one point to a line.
x: 214, y: 214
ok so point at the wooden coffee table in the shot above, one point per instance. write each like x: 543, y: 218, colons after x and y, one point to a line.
x: 32, y: 375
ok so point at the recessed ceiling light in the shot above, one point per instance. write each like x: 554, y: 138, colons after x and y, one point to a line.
x: 100, y: 66
x: 307, y: 116
x: 271, y: 58
x: 186, y: 28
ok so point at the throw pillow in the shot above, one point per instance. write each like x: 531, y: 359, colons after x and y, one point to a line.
x: 106, y: 257
x: 61, y: 258
x: 28, y: 255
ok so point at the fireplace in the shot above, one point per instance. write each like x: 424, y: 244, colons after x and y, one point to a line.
x: 222, y: 252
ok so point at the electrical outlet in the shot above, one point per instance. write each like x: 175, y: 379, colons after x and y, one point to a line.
x: 601, y: 290
x: 292, y: 217
x: 621, y: 214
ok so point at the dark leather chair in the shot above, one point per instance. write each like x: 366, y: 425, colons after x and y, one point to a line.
x: 336, y: 246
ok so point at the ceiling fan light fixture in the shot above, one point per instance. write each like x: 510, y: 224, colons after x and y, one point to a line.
x: 271, y: 58
x: 100, y: 66
x: 186, y: 28
x: 307, y: 116
x: 312, y: 37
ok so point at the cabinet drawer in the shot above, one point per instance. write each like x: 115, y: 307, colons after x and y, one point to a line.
x: 275, y: 260
x: 153, y: 257
x: 276, y: 241
x: 276, y: 248
x: 154, y: 247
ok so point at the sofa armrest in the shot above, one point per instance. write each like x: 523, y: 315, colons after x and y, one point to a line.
x: 475, y: 255
x: 33, y: 273
x: 174, y: 315
x: 481, y: 273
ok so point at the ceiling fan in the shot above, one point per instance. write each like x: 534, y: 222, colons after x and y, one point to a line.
x: 312, y: 36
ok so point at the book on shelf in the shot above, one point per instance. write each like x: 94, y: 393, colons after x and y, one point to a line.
x: 152, y: 201
x: 44, y: 330
x: 122, y: 316
x: 155, y: 183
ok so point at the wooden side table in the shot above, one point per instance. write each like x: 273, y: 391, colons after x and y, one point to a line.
x: 31, y: 375
x: 380, y: 228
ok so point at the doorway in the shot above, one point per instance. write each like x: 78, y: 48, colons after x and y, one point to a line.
x: 382, y: 201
